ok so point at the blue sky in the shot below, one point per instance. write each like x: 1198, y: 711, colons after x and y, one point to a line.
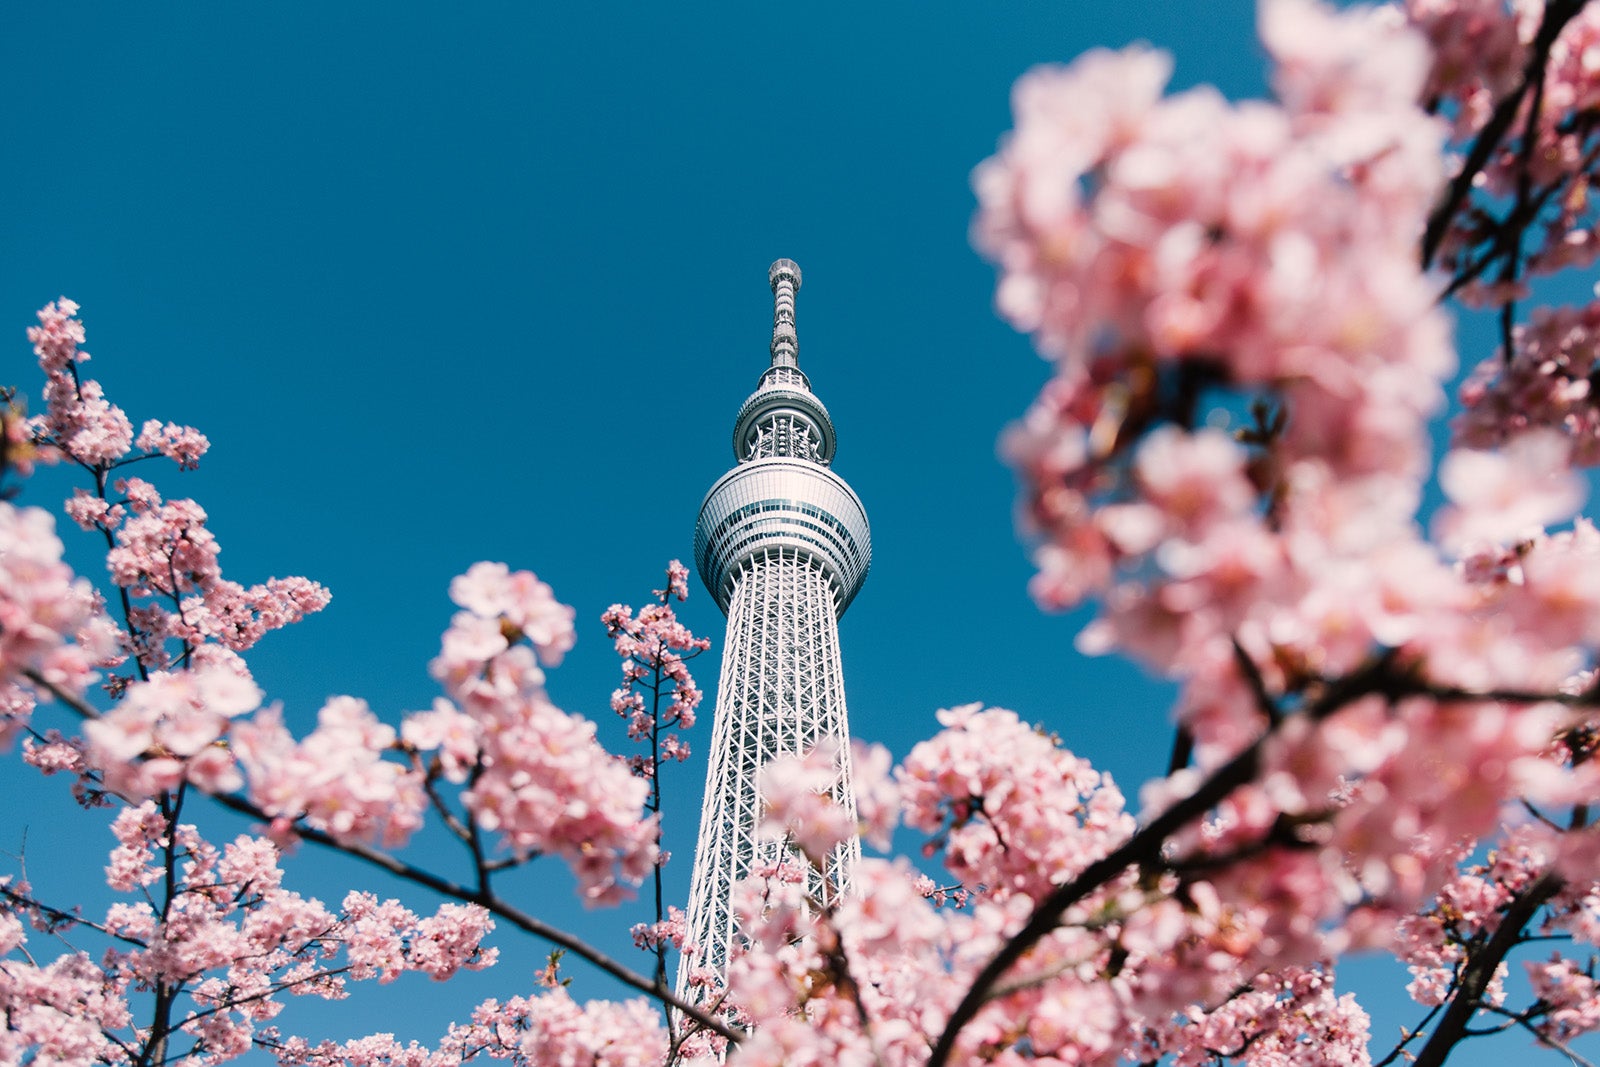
x: 489, y: 282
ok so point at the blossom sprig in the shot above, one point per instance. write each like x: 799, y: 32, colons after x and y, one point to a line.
x: 532, y: 776
x: 220, y: 946
x: 549, y: 1027
x: 187, y: 718
x: 658, y: 694
x: 1355, y: 694
x: 658, y: 697
x: 162, y: 557
x: 1519, y: 88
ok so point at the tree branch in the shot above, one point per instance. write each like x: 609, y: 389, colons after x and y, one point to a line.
x: 1480, y: 968
x: 1143, y: 849
x: 1556, y: 17
x: 496, y: 906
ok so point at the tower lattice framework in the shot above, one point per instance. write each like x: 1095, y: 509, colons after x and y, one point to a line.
x: 782, y: 543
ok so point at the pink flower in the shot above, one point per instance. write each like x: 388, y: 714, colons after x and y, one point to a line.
x: 797, y: 793
x: 184, y: 445
x: 492, y: 591
x: 1500, y: 497
x: 42, y: 604
x: 1016, y: 813
x: 336, y: 779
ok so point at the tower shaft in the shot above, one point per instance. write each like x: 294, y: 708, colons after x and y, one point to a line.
x: 781, y: 693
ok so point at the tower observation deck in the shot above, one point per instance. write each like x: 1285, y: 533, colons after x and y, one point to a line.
x: 782, y: 543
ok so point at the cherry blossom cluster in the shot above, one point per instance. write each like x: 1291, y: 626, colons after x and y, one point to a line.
x: 184, y: 445
x: 548, y: 1029
x: 1444, y: 939
x: 1192, y: 265
x: 217, y: 951
x: 162, y: 555
x: 655, y: 649
x: 167, y: 561
x: 60, y: 1012
x: 78, y: 420
x: 166, y: 730
x: 1520, y: 78
x: 1545, y: 382
x: 535, y: 776
x: 1290, y: 1017
x: 798, y: 793
x: 1194, y: 962
x: 188, y: 715
x: 669, y: 931
x: 1163, y: 250
x: 658, y: 697
x: 1012, y: 811
x: 873, y: 976
x: 50, y: 620
x: 1478, y: 55
x: 336, y: 779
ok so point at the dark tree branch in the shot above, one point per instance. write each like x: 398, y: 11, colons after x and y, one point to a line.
x: 1556, y: 17
x: 1523, y: 1020
x: 1143, y: 849
x: 1480, y: 968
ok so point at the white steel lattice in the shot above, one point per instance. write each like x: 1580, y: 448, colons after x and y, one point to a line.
x: 781, y: 692
x: 783, y: 544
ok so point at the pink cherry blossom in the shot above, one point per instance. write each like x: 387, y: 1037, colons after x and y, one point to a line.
x: 1014, y: 812
x: 184, y: 445
x: 1543, y: 383
x: 798, y: 794
x: 43, y: 605
x: 1507, y: 495
x: 490, y: 590
x: 336, y: 778
x: 1387, y: 735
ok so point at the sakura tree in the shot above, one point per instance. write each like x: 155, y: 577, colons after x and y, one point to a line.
x: 1385, y: 722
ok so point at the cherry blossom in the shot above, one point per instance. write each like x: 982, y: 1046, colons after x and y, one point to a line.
x: 227, y: 942
x: 1543, y: 383
x: 541, y: 782
x: 43, y: 607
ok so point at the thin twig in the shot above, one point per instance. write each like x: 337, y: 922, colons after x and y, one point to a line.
x: 1543, y: 1039
x: 1258, y: 685
x: 496, y: 906
x: 1408, y: 1036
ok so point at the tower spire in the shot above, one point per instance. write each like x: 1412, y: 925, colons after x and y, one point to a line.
x: 784, y: 277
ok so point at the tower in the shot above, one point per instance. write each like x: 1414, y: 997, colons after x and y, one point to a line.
x: 783, y: 545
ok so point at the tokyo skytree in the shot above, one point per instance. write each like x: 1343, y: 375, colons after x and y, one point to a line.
x: 782, y: 543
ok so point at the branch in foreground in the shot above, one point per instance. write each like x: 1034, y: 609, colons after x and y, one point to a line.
x: 1515, y: 1019
x: 1479, y: 971
x: 1556, y: 17
x: 417, y: 875
x: 1143, y: 849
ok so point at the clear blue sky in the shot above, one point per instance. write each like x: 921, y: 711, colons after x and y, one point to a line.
x: 488, y: 281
